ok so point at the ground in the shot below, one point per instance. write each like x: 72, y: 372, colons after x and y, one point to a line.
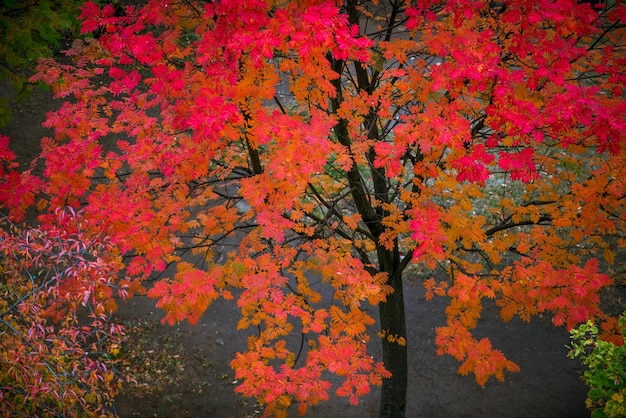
x: 185, y: 369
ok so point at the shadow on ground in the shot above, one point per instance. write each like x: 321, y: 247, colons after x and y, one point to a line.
x: 549, y: 384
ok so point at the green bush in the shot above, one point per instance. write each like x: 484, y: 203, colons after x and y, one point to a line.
x: 606, y: 373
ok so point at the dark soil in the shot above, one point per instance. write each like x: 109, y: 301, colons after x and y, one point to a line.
x: 202, y: 383
x: 549, y: 384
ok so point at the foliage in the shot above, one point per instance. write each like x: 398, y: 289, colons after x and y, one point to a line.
x: 57, y: 288
x: 606, y: 374
x: 302, y: 154
x: 30, y: 30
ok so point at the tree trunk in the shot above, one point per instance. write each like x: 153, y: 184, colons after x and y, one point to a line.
x: 393, y: 322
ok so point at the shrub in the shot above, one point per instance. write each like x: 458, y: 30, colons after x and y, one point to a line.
x: 56, y: 296
x: 606, y: 373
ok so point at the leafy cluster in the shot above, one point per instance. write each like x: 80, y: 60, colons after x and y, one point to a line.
x: 606, y: 373
x: 301, y: 155
x: 57, y: 289
x: 30, y: 30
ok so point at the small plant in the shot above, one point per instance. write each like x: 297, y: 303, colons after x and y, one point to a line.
x: 606, y: 374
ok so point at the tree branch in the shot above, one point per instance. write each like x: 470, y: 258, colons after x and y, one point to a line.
x: 504, y: 226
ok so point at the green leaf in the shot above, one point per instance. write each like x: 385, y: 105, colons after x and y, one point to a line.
x: 596, y: 394
x: 598, y: 413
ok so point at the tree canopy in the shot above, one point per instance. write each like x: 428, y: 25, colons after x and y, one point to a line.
x: 300, y: 156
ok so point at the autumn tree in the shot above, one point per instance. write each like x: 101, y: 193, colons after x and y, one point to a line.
x: 300, y: 156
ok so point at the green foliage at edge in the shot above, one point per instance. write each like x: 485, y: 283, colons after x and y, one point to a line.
x: 30, y: 29
x: 606, y: 373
